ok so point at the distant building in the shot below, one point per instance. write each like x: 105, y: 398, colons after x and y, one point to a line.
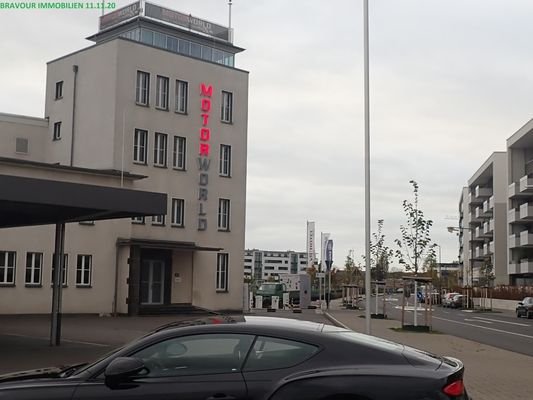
x: 265, y: 264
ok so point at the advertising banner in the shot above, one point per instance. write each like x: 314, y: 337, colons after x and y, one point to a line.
x: 120, y: 15
x: 310, y: 243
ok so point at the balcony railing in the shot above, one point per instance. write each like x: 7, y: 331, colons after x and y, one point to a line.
x: 491, y: 225
x: 513, y: 268
x: 514, y: 241
x: 491, y: 247
x: 513, y: 215
x: 483, y: 192
x: 526, y: 238
x: 526, y: 212
x: 491, y: 202
x: 487, y: 229
x: 487, y: 210
x: 472, y: 199
x: 526, y: 266
x: 526, y: 184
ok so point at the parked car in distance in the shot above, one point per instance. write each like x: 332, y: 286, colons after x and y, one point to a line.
x: 525, y: 308
x: 447, y: 298
x: 457, y: 301
x: 250, y: 358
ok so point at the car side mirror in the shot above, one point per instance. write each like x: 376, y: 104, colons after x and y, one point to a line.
x: 520, y: 303
x: 120, y: 369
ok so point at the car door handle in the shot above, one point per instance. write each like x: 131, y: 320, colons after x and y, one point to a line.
x: 221, y: 396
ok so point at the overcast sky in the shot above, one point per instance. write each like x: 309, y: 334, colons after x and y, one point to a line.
x: 450, y: 82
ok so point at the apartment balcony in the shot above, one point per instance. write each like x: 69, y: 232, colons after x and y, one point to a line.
x: 491, y: 247
x: 526, y: 212
x: 491, y: 202
x: 476, y: 217
x: 526, y: 184
x: 487, y: 210
x: 523, y: 188
x: 482, y: 192
x: 488, y: 249
x: 513, y: 268
x: 514, y: 241
x: 513, y: 216
x: 526, y: 266
x: 488, y: 229
x: 472, y: 199
x: 478, y: 253
x: 526, y: 238
x: 480, y: 233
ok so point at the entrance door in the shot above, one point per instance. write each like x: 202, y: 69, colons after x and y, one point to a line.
x: 152, y: 281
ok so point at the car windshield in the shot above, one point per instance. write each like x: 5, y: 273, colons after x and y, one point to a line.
x: 268, y: 288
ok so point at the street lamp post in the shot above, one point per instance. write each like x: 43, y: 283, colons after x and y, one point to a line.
x: 452, y: 229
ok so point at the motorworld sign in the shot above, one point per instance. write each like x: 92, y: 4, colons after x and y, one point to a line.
x: 186, y: 21
x: 120, y: 15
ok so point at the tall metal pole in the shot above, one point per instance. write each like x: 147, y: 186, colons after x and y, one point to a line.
x: 367, y: 172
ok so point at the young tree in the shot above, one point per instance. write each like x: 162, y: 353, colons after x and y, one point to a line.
x: 415, y: 242
x: 381, y: 254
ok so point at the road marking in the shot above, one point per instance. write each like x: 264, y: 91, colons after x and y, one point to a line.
x: 63, y: 340
x: 475, y: 320
x: 503, y: 322
x: 485, y: 327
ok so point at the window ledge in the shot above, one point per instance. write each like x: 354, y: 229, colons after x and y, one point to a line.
x: 7, y: 285
x: 160, y: 166
x: 161, y: 108
x: 179, y: 169
x: 58, y: 98
x: 142, y: 105
x: 181, y: 112
x: 223, y: 230
x: 177, y: 226
x: 224, y: 176
x: 226, y: 122
x: 84, y: 286
x: 162, y: 225
x: 139, y: 163
x: 222, y: 291
x: 33, y: 285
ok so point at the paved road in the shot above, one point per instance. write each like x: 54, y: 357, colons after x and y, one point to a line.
x: 499, y: 329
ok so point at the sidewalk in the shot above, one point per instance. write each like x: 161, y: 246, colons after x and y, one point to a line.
x: 490, y: 373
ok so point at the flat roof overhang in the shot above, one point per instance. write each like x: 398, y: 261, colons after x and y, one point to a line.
x: 29, y: 201
x: 165, y: 244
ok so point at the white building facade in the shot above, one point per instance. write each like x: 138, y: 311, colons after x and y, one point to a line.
x: 165, y: 105
x: 262, y: 265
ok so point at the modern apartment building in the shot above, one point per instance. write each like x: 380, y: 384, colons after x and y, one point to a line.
x: 265, y: 264
x: 520, y: 205
x: 483, y: 222
x: 157, y: 98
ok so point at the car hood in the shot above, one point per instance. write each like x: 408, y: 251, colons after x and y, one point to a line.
x: 41, y: 373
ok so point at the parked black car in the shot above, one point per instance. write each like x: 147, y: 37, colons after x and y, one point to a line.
x: 525, y: 308
x: 250, y: 358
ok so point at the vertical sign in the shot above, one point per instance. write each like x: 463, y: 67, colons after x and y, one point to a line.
x: 204, y: 160
x: 310, y: 243
x: 324, y: 237
x: 329, y: 254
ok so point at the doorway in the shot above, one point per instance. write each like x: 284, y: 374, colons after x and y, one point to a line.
x: 152, y: 282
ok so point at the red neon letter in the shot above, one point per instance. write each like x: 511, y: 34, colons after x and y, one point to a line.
x: 204, y: 149
x: 206, y: 105
x: 205, y: 134
x: 206, y: 90
x: 205, y: 119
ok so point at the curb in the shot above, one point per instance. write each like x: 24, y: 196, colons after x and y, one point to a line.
x: 335, y: 321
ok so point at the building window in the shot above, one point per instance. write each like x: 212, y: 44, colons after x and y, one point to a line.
x: 223, y: 214
x: 7, y: 267
x: 84, y: 270
x: 34, y: 267
x: 57, y: 130
x: 137, y: 220
x: 161, y: 93
x: 178, y: 159
x: 222, y: 272
x: 178, y: 212
x: 158, y: 219
x: 225, y: 160
x: 21, y: 146
x: 160, y: 150
x: 227, y: 107
x: 182, y: 96
x: 140, y: 146
x: 142, y: 96
x: 65, y: 269
x: 59, y: 90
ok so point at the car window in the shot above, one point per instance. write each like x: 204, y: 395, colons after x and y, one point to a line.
x: 196, y: 355
x: 273, y: 353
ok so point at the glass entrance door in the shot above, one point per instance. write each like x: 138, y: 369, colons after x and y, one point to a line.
x: 152, y: 281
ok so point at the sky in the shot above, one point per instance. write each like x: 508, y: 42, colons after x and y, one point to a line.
x: 450, y: 81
